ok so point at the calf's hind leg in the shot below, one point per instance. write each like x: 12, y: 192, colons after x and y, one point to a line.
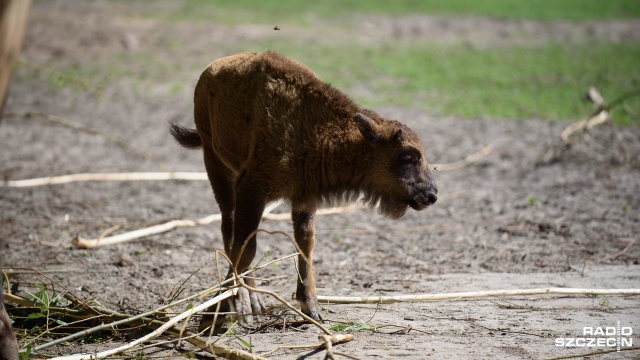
x: 250, y: 203
x: 241, y: 212
x: 222, y: 182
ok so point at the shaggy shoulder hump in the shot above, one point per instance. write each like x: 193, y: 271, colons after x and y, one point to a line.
x: 285, y: 68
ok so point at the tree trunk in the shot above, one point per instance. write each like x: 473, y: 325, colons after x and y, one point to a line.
x: 13, y: 23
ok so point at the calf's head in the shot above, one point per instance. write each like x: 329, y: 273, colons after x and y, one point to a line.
x: 397, y: 175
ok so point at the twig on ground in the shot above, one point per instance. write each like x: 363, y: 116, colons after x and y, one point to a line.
x: 619, y: 253
x: 569, y: 135
x: 53, y: 281
x: 466, y: 161
x: 329, y: 211
x: 82, y: 243
x: 80, y: 127
x: 329, y: 340
x: 124, y: 319
x: 81, y: 177
x: 470, y: 295
x: 584, y: 125
x: 159, y: 331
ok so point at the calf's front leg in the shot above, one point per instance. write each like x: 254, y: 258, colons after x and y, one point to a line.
x: 305, y: 235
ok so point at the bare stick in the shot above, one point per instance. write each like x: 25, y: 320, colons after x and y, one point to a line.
x: 329, y: 211
x: 83, y: 243
x: 614, y: 256
x: 584, y: 125
x: 466, y: 161
x: 137, y: 176
x: 329, y: 340
x: 88, y: 130
x: 155, y: 333
x: 152, y: 230
x: 568, y: 136
x: 100, y: 311
x: 470, y: 295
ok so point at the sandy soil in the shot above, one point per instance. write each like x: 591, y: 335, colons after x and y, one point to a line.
x: 500, y: 223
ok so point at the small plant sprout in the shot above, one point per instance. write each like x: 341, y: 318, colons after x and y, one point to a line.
x: 624, y: 208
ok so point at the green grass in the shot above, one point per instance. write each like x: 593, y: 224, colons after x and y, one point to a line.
x: 504, y: 83
x: 512, y: 82
x: 508, y: 83
x: 288, y: 11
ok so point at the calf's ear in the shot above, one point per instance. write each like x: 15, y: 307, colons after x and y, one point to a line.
x: 366, y: 127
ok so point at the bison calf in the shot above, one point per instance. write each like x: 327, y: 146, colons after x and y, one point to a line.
x: 271, y: 129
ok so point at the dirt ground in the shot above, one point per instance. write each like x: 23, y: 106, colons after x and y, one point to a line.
x: 500, y: 223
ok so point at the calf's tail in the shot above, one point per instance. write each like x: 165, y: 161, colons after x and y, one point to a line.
x: 188, y: 138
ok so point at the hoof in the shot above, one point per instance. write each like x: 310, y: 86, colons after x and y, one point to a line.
x: 244, y: 304
x: 311, y: 308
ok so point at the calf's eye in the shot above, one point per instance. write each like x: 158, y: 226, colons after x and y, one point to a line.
x: 407, y: 158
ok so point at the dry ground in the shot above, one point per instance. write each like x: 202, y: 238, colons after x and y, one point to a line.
x: 501, y: 223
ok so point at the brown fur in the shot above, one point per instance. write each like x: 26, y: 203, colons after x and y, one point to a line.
x: 270, y: 129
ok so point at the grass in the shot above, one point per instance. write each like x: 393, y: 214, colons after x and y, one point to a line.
x: 453, y: 80
x: 294, y: 11
x: 510, y: 82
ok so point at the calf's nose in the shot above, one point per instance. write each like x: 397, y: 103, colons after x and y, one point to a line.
x: 432, y: 197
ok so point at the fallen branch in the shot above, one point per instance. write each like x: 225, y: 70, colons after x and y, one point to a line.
x: 470, y: 295
x: 619, y: 253
x: 85, y: 312
x: 584, y: 125
x: 329, y: 211
x: 466, y: 161
x: 329, y: 340
x: 137, y: 176
x: 104, y: 240
x: 217, y: 349
x: 152, y: 230
x: 569, y: 135
x: 83, y: 243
